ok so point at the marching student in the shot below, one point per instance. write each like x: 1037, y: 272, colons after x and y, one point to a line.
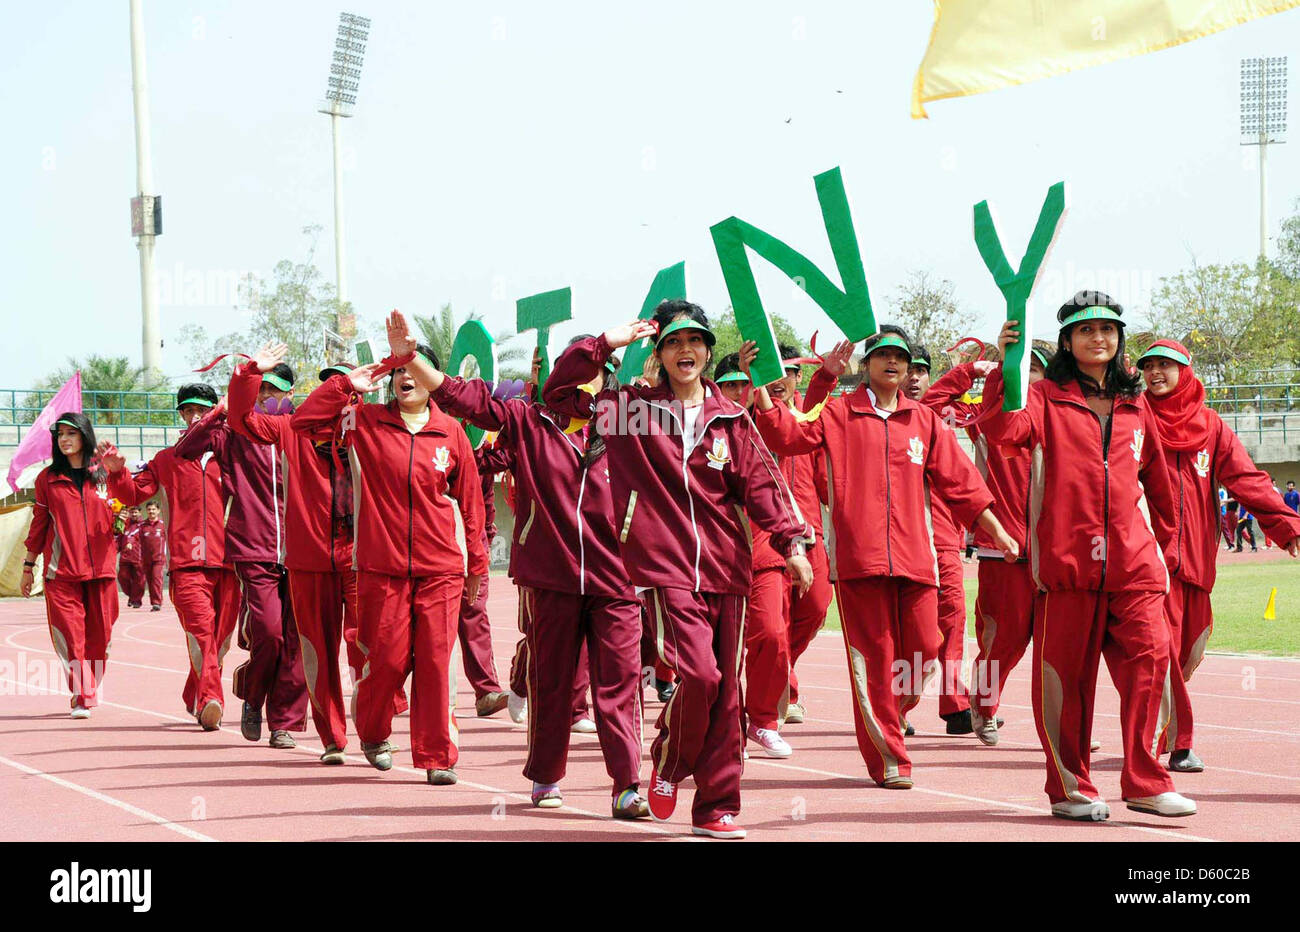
x: 1201, y: 452
x: 884, y: 453
x: 1004, y: 605
x: 72, y: 529
x: 203, y: 589
x: 474, y: 629
x: 272, y: 676
x: 1101, y: 513
x: 782, y: 621
x: 153, y: 543
x: 734, y: 384
x: 130, y: 562
x: 317, y: 544
x: 572, y: 585
x: 686, y: 465
x: 418, y: 547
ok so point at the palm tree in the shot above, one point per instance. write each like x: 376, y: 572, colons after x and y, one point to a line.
x: 103, y: 379
x: 439, y: 334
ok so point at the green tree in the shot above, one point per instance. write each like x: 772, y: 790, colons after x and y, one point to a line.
x: 298, y: 308
x: 439, y: 333
x: 728, y: 336
x: 103, y: 380
x: 929, y: 313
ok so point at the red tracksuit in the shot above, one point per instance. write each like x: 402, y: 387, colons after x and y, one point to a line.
x: 318, y: 552
x: 255, y: 542
x: 780, y: 623
x: 200, y: 581
x: 72, y: 527
x: 130, y: 563
x: 153, y: 541
x: 1196, y: 477
x: 1100, y: 511
x: 418, y: 525
x: 1004, y: 607
x: 880, y: 471
x: 573, y: 589
x: 679, y: 515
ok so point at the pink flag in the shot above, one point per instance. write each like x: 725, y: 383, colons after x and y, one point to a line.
x: 36, y: 443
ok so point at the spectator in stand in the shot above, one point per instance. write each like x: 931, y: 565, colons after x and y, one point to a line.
x: 1291, y: 496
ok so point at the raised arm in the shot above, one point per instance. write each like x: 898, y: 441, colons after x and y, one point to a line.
x: 472, y: 400
x: 582, y: 365
x: 787, y: 435
x: 126, y: 488
x: 206, y: 435
x: 241, y: 397
x: 321, y: 411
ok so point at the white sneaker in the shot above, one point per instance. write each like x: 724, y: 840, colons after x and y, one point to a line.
x: 770, y: 741
x: 986, y: 729
x: 1163, y: 804
x: 1094, y: 810
x: 80, y: 711
x: 794, y: 714
x: 517, y: 706
x: 583, y: 726
x: 1095, y: 745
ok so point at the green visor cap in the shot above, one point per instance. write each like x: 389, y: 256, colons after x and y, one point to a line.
x: 201, y: 402
x: 336, y: 369
x: 1167, y: 352
x: 892, y: 339
x: 733, y: 377
x: 686, y: 323
x: 278, y: 382
x: 610, y: 367
x: 1092, y: 312
x: 66, y: 422
x: 1040, y: 356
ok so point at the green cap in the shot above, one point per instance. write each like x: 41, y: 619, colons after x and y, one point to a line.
x: 610, y: 367
x: 733, y: 377
x: 339, y: 368
x: 892, y: 339
x: 1040, y: 355
x: 1092, y: 312
x: 1167, y: 352
x: 281, y: 384
x: 64, y: 420
x: 201, y: 402
x: 686, y: 323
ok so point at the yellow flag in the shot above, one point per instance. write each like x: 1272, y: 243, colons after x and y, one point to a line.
x: 1270, y: 610
x: 983, y: 45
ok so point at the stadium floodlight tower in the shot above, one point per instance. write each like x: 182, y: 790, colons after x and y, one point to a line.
x: 340, y: 97
x: 146, y: 206
x: 1263, y: 120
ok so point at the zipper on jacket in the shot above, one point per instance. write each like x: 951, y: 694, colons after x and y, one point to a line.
x: 889, y: 553
x: 582, y: 550
x: 1178, y: 551
x: 333, y: 504
x: 1105, y: 470
x: 410, y: 510
x: 85, y: 523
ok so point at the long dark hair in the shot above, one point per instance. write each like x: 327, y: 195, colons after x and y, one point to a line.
x: 1064, y: 368
x: 60, y: 465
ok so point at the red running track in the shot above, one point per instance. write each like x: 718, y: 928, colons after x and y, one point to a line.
x: 141, y: 769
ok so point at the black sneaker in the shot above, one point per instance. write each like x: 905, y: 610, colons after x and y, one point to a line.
x: 250, y: 722
x: 155, y: 608
x: 959, y: 723
x: 908, y: 730
x: 664, y: 689
x: 283, y: 740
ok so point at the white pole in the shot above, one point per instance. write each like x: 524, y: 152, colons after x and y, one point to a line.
x: 1263, y: 197
x: 340, y: 274
x: 150, y: 339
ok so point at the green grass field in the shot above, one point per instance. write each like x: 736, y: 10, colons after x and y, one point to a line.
x: 1239, y: 598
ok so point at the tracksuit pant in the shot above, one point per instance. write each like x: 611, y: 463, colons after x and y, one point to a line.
x: 407, y: 625
x: 153, y: 574
x: 1073, y: 630
x: 581, y: 675
x: 953, y: 696
x: 1190, y: 621
x: 272, y: 675
x: 767, y: 648
x: 475, y: 632
x: 1004, y: 625
x: 130, y: 576
x: 320, y: 601
x: 891, y: 636
x: 808, y: 611
x: 80, y: 614
x: 556, y: 625
x: 700, y: 636
x: 206, y: 602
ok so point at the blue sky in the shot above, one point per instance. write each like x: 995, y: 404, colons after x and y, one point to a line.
x: 506, y: 149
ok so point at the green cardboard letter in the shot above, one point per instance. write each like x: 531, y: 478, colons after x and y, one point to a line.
x: 1017, y: 286
x: 669, y: 284
x: 542, y: 311
x: 473, y: 341
x: 850, y: 309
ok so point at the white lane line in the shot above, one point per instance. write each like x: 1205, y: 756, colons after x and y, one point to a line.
x: 996, y: 803
x: 101, y: 797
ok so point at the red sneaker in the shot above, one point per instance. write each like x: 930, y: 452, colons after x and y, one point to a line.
x: 663, y: 798
x: 724, y: 827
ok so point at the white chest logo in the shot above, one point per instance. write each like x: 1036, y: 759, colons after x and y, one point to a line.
x: 719, y: 456
x: 441, y: 459
x: 1202, y: 463
x: 1136, y: 445
x: 916, y: 451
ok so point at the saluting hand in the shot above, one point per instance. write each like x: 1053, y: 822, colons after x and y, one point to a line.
x: 400, y: 340
x: 836, y: 362
x: 983, y: 367
x: 362, y: 379
x: 270, y: 356
x: 630, y: 333
x: 109, y: 457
